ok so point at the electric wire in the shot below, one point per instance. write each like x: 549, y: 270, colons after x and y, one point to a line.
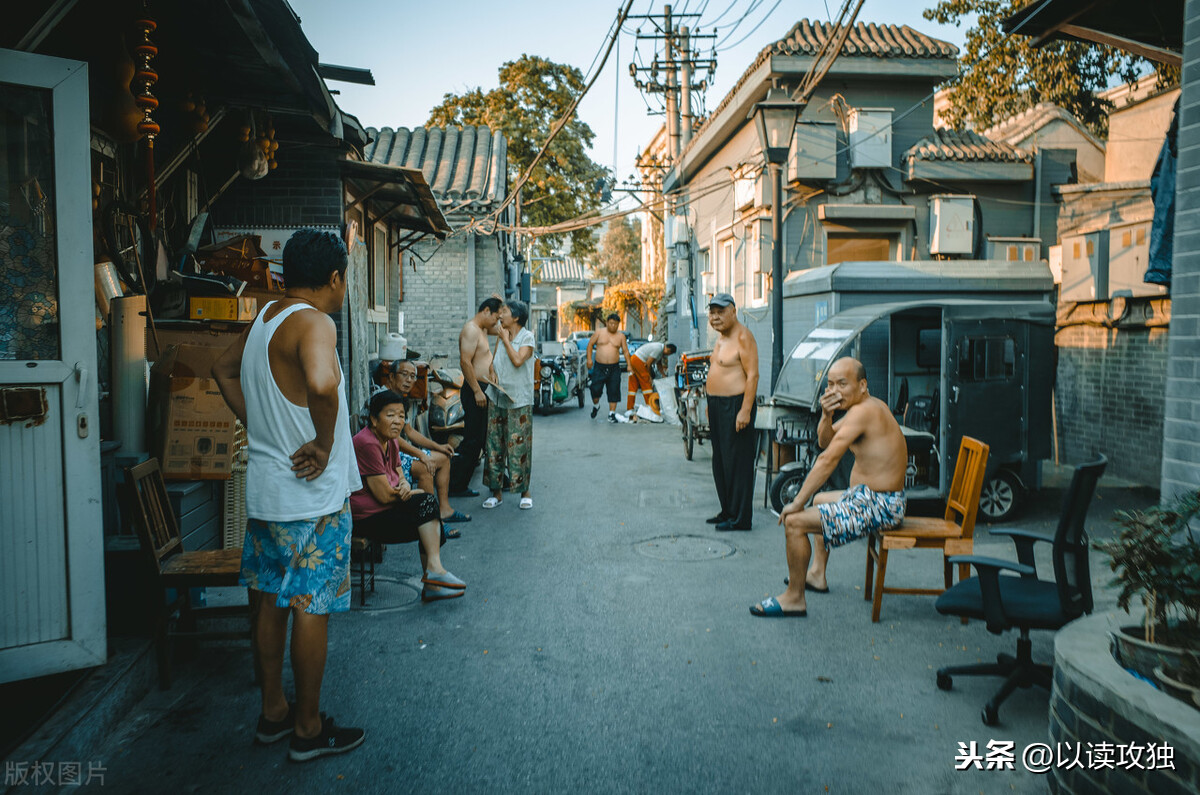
x: 752, y: 30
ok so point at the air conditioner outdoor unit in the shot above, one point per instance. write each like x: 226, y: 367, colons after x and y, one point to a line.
x: 814, y: 151
x: 951, y: 224
x: 870, y: 131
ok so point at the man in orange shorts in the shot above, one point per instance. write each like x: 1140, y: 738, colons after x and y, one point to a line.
x: 642, y: 364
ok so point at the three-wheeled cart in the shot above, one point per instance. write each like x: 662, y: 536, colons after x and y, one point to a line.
x: 691, y: 398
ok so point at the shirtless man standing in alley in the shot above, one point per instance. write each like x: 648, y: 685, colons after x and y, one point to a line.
x: 874, y: 502
x: 731, y: 386
x: 475, y: 359
x: 608, y: 344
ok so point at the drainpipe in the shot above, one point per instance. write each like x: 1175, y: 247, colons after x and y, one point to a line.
x: 471, y: 302
x: 1037, y: 199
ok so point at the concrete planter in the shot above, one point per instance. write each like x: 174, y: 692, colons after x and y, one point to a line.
x: 1131, y: 651
x: 1166, y: 678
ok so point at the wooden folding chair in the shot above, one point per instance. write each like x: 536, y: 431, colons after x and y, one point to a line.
x: 174, y: 568
x: 952, y: 534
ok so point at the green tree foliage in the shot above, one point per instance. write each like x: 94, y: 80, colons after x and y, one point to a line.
x: 620, y: 256
x: 1015, y: 75
x: 532, y: 95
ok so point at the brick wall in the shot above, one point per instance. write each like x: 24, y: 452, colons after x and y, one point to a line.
x: 1109, y: 394
x: 436, y: 296
x: 1181, y: 429
x: 306, y: 190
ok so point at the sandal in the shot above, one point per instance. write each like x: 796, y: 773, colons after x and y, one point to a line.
x: 526, y: 503
x: 492, y: 502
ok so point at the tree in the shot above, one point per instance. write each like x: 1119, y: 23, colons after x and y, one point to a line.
x: 1014, y: 75
x: 620, y: 256
x: 532, y: 96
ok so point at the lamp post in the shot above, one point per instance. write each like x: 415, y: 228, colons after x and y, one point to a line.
x: 775, y: 119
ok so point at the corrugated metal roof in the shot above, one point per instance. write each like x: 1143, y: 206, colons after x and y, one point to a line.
x: 964, y: 145
x: 558, y: 270
x: 465, y: 167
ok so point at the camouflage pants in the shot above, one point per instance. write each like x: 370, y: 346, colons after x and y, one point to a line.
x: 508, y: 449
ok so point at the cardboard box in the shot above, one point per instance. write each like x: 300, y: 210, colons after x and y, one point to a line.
x: 192, y: 431
x: 222, y: 308
x: 216, y: 334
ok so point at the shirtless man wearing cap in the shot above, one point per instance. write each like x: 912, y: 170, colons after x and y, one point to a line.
x: 731, y: 386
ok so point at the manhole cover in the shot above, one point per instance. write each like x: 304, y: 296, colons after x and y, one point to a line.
x: 683, y: 548
x: 389, y: 594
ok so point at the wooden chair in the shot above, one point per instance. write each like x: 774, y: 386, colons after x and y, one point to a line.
x: 173, y: 568
x: 952, y: 534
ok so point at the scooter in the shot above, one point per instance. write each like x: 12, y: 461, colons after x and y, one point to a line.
x: 558, y: 378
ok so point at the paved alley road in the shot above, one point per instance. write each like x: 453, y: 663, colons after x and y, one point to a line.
x: 604, y: 645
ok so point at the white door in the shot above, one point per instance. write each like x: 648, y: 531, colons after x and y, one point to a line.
x: 51, y: 536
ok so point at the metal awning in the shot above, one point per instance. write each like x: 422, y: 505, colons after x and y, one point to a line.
x: 395, y: 195
x: 1152, y: 30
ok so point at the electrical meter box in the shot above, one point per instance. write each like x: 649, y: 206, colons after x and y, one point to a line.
x: 1014, y: 249
x: 1128, y: 257
x: 814, y: 151
x: 951, y: 224
x: 870, y: 132
x: 1085, y: 267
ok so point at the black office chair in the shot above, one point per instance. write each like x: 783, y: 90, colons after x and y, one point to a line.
x: 1025, y: 602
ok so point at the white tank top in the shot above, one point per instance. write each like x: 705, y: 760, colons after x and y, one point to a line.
x: 276, y: 428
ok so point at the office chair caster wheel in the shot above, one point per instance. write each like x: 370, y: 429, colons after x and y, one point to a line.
x: 989, y: 715
x: 944, y: 682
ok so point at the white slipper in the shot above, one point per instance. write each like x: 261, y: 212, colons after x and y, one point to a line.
x: 491, y: 502
x: 526, y: 503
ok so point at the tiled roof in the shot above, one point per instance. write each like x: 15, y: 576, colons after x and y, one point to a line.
x: 465, y: 167
x: 558, y: 270
x: 865, y: 39
x: 964, y: 145
x: 1021, y: 125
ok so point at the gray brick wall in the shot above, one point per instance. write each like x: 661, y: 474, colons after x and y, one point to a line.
x: 435, y: 294
x: 305, y: 190
x: 1109, y: 394
x: 1181, y: 428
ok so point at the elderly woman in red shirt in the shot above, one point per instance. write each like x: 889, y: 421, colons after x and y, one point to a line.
x: 387, y: 508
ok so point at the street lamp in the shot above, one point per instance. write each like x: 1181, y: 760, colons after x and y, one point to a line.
x: 775, y: 119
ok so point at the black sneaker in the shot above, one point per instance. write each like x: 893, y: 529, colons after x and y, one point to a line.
x: 612, y: 418
x: 269, y: 731
x: 595, y: 411
x: 331, y: 740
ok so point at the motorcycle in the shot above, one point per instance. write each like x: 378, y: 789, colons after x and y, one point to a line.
x: 446, y: 416
x: 558, y: 377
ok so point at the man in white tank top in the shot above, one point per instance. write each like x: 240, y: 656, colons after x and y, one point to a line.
x: 283, y: 381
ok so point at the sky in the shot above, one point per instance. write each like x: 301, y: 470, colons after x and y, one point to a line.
x: 420, y: 51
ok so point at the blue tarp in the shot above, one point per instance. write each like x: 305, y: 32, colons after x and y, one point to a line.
x: 1162, y: 190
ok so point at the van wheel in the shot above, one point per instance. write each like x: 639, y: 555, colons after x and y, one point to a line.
x: 1000, y: 496
x: 786, y: 486
x: 579, y: 395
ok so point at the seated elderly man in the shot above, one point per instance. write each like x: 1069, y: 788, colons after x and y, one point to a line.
x: 387, y: 508
x: 422, y: 458
x: 874, y: 502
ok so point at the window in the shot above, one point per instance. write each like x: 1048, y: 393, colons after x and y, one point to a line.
x: 379, y: 265
x: 725, y: 267
x: 858, y: 248
x: 987, y: 358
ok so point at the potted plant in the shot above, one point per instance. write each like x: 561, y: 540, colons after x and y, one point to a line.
x: 1156, y: 556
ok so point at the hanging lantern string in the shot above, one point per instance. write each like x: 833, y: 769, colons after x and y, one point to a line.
x: 146, y: 77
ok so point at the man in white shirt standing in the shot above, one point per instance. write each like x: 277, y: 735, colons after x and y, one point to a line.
x: 509, y: 444
x: 283, y: 380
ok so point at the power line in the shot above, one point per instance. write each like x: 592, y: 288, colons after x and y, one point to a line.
x: 755, y: 28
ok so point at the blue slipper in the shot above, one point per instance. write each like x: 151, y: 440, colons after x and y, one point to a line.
x: 458, y: 517
x: 444, y: 580
x: 431, y: 593
x: 770, y: 608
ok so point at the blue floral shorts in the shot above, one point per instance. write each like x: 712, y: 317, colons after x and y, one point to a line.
x: 305, y: 562
x: 859, y: 513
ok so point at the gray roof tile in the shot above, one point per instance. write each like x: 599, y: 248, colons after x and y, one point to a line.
x: 465, y: 167
x: 964, y: 145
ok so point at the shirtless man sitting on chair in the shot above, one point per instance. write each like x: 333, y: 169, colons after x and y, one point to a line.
x: 874, y: 502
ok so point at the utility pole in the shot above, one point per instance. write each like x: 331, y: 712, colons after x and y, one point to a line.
x: 685, y: 88
x: 671, y: 88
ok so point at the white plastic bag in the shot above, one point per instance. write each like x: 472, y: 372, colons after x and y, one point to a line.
x: 666, y: 400
x: 644, y: 412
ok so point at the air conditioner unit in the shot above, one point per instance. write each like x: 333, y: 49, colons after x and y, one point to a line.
x: 814, y: 151
x: 951, y: 224
x: 1085, y: 267
x: 1128, y: 257
x: 870, y: 132
x: 1014, y: 249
